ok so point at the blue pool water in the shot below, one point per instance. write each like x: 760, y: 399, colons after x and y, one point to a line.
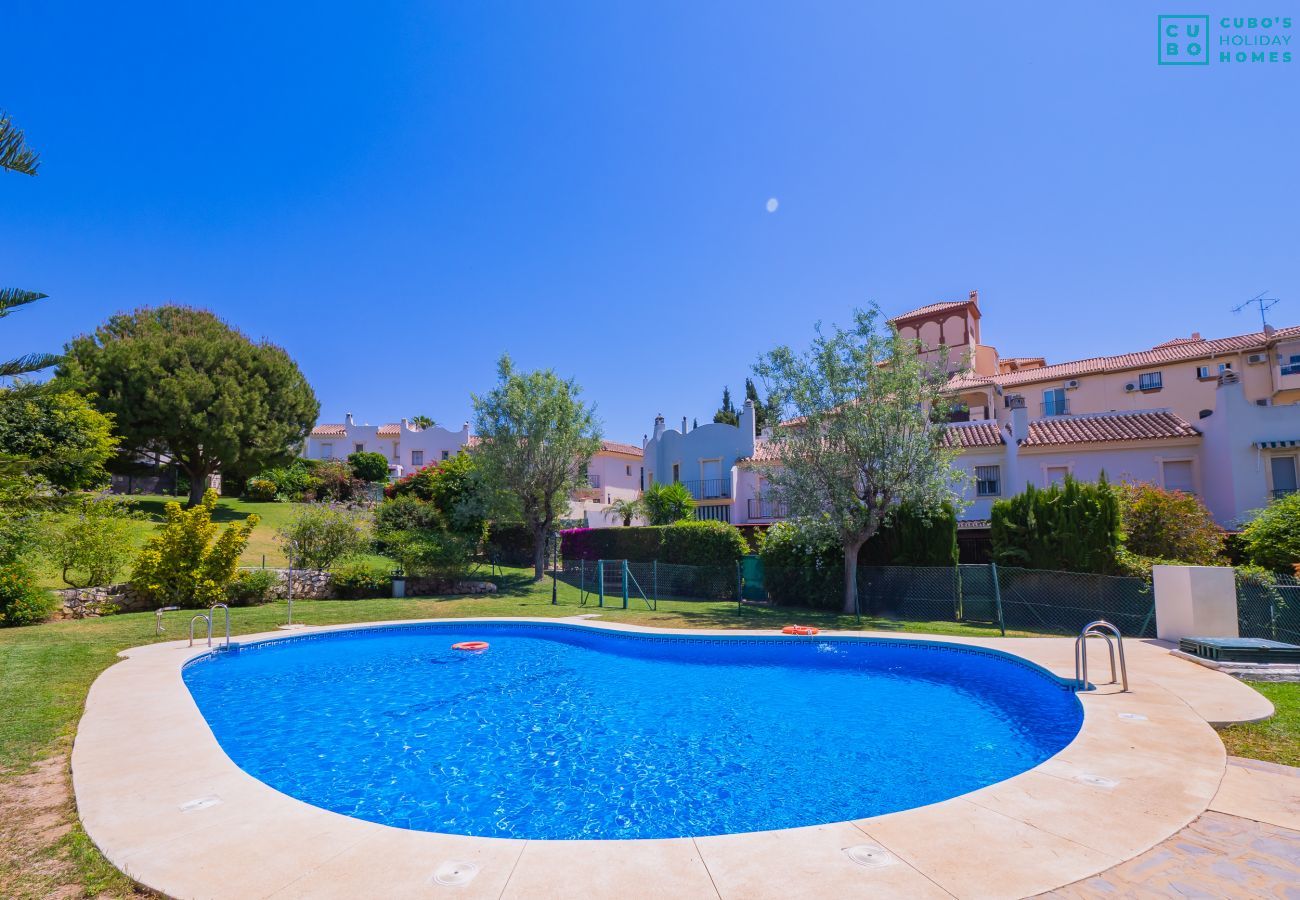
x: 563, y: 732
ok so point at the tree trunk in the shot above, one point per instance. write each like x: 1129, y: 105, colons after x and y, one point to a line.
x: 539, y: 553
x: 851, y: 577
x: 198, y: 484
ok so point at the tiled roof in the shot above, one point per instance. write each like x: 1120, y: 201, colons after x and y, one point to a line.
x: 1100, y: 428
x: 1169, y: 352
x: 392, y: 429
x: 764, y: 451
x: 930, y: 310
x: 973, y: 434
x: 616, y: 447
x: 329, y: 430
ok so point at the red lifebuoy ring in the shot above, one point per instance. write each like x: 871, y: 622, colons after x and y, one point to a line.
x: 799, y: 629
x: 472, y: 646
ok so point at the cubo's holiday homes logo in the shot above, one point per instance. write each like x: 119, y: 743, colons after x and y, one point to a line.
x: 1186, y: 40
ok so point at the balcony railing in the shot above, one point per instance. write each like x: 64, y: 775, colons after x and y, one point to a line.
x: 709, y: 488
x: 1055, y: 408
x: 766, y: 509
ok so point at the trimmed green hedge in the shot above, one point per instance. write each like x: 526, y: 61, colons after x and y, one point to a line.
x: 692, y: 543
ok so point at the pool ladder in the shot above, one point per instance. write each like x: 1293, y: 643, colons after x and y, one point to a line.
x: 1098, y: 629
x: 208, y: 619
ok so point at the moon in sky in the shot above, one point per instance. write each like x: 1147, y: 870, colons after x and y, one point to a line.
x: 772, y: 204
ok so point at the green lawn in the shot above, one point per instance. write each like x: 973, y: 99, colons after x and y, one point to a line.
x: 1276, y: 739
x: 262, y: 547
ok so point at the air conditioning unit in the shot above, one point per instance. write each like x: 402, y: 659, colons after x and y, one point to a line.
x: 1266, y: 401
x: 1072, y: 384
x: 1257, y: 359
x: 1130, y: 387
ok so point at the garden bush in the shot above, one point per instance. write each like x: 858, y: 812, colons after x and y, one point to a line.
x: 1074, y: 527
x: 455, y: 487
x: 187, y: 563
x: 1272, y: 539
x: 92, y: 543
x: 368, y: 466
x: 22, y: 602
x: 1169, y: 525
x: 405, y: 513
x: 635, y: 544
x: 699, y: 543
x: 358, y: 580
x: 293, y: 482
x: 912, y: 537
x: 332, y: 481
x: 803, y: 564
x: 260, y: 489
x: 321, y: 535
x: 510, y: 543
x: 433, y: 554
x: 251, y: 586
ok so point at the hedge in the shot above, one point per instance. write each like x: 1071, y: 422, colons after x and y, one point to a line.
x: 694, y: 543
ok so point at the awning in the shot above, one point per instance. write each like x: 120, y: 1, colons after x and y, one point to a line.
x: 1277, y: 445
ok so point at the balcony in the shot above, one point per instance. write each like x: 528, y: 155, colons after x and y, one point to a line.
x: 709, y: 488
x: 1055, y: 407
x: 766, y: 509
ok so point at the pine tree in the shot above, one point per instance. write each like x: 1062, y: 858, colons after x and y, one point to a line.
x: 726, y: 414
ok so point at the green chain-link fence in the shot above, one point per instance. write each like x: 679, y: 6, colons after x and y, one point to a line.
x: 1269, y: 608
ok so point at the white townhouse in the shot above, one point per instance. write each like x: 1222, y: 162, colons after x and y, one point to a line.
x: 406, y: 447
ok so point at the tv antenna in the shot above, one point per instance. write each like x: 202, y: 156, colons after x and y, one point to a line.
x: 1264, y: 304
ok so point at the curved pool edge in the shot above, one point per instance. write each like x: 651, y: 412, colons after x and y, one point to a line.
x: 165, y: 804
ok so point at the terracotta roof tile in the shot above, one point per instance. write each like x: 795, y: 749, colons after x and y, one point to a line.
x: 329, y: 430
x: 930, y: 310
x: 392, y: 429
x: 765, y: 451
x: 616, y: 447
x: 1100, y: 428
x: 973, y: 434
x: 1169, y: 352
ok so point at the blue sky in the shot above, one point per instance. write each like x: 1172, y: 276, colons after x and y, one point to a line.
x: 398, y: 193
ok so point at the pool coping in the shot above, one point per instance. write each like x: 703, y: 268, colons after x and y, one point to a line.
x: 165, y: 804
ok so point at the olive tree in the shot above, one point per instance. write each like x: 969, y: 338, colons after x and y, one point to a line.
x: 535, y: 440
x: 182, y: 381
x: 867, y: 432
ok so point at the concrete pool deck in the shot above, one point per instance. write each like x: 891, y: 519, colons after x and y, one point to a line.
x: 164, y: 803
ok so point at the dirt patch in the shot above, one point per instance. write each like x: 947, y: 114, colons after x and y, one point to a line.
x: 43, y: 851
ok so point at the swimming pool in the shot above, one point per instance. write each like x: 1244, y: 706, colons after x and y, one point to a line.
x: 563, y: 732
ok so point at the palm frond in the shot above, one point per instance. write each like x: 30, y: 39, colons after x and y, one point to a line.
x: 15, y: 155
x: 12, y: 298
x: 24, y: 365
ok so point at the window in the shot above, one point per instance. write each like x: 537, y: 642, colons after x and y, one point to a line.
x: 1056, y: 475
x: 1054, y: 402
x: 1149, y: 381
x: 1177, y: 475
x: 361, y: 448
x: 1284, y: 475
x: 397, y: 452
x: 988, y: 481
x: 629, y: 469
x: 1290, y: 364
x: 417, y: 458
x: 326, y: 451
x: 677, y: 472
x: 446, y: 454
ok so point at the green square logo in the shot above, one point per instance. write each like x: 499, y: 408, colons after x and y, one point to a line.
x: 1183, y: 40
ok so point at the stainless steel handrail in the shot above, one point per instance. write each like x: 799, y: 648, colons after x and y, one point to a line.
x: 206, y: 619
x: 1095, y: 629
x: 212, y: 614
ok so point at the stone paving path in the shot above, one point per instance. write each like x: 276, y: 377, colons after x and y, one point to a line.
x: 1241, y: 847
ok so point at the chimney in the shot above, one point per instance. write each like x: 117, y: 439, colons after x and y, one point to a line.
x: 975, y: 297
x: 748, y: 421
x: 659, y: 427
x: 405, y: 426
x: 683, y: 424
x: 464, y: 428
x: 1019, y: 418
x: 348, y: 420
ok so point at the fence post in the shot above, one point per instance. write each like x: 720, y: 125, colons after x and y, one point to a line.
x: 600, y: 580
x: 625, y: 584
x: 654, y: 571
x: 740, y: 585
x: 997, y: 597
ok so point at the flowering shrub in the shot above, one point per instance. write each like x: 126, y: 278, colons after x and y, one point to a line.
x: 187, y: 563
x: 260, y: 489
x: 1169, y: 525
x: 21, y: 601
x: 803, y: 564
